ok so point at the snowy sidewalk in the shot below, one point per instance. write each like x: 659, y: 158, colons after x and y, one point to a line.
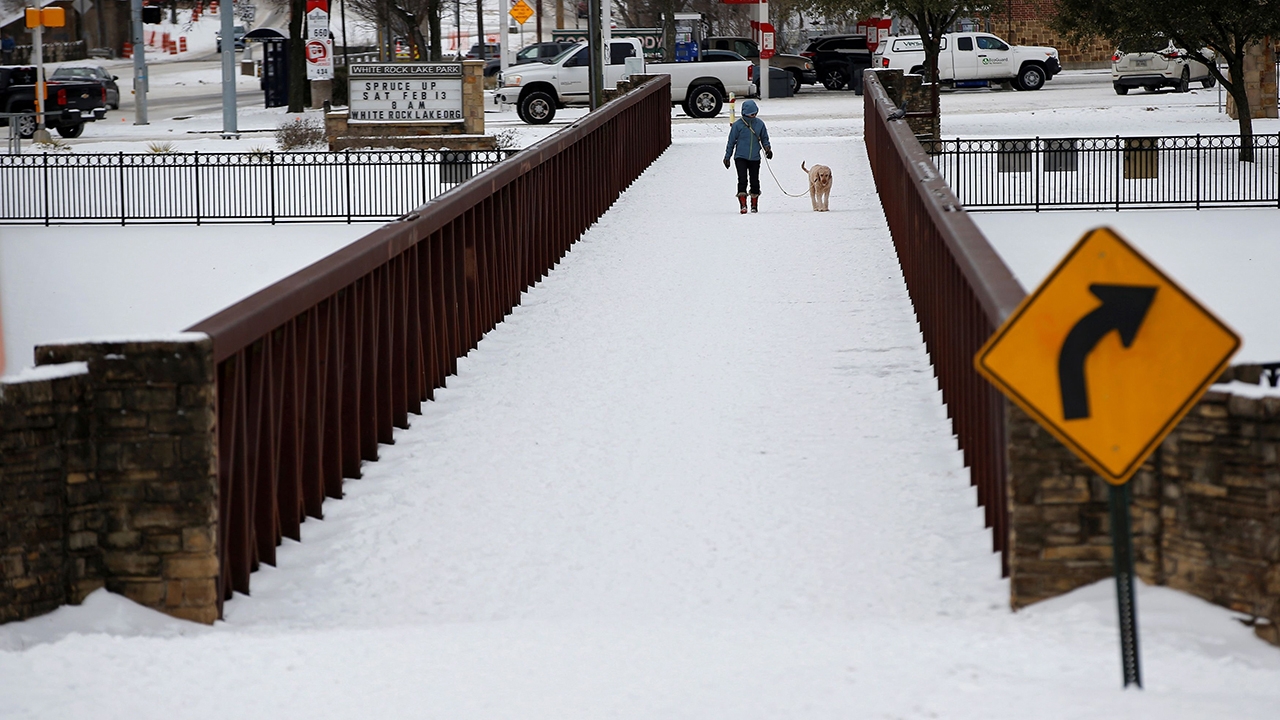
x: 702, y: 472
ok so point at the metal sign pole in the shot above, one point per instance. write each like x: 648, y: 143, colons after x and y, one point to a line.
x: 37, y: 55
x: 139, y: 65
x: 229, y: 120
x: 1122, y: 559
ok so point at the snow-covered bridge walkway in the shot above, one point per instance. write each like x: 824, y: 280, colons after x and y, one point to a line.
x: 702, y: 472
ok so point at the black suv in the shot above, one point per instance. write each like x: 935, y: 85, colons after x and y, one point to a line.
x: 541, y: 51
x: 838, y: 58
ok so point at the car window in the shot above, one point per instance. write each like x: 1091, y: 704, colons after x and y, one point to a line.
x: 619, y: 52
x: 908, y: 45
x: 528, y: 53
x: 990, y: 43
x: 745, y: 49
x: 582, y: 59
x: 965, y: 44
x: 720, y: 45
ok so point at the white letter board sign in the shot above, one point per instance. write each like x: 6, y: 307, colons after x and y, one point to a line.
x: 405, y: 93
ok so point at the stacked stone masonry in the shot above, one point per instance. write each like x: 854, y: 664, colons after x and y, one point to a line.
x: 1206, y: 511
x: 1029, y: 22
x: 1259, y: 82
x: 132, y: 475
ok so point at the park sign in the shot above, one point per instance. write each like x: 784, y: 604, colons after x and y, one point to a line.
x: 1108, y: 354
x: 428, y: 93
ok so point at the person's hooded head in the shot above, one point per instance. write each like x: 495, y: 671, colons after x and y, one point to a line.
x: 749, y: 108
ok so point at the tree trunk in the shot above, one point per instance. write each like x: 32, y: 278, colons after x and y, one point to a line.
x: 669, y: 30
x: 298, y: 85
x: 1244, y: 113
x: 433, y: 22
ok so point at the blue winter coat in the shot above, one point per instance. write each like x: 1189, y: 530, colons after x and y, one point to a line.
x: 743, y: 143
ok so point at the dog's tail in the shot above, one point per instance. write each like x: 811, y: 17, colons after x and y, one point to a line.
x: 802, y: 167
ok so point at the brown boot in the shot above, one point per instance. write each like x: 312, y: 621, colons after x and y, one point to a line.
x: 742, y: 203
x: 755, y: 199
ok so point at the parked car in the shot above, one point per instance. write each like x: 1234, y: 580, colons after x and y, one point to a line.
x: 974, y: 59
x: 539, y: 89
x: 491, y: 50
x: 1168, y: 66
x: 94, y: 74
x: 801, y: 68
x: 68, y: 104
x: 837, y: 57
x: 238, y: 33
x: 541, y: 52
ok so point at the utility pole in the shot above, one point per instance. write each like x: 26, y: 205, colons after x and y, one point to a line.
x: 140, y: 81
x: 229, y: 120
x: 37, y: 53
x: 504, y: 33
x: 480, y: 29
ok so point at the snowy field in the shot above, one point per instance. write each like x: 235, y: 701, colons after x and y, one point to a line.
x: 703, y: 471
x: 62, y: 283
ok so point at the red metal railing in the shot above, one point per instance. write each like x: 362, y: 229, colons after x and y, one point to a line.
x: 961, y: 291
x: 316, y: 370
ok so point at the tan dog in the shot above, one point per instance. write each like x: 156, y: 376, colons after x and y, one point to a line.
x: 819, y: 186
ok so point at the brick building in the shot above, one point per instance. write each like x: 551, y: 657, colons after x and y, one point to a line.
x: 1027, y: 22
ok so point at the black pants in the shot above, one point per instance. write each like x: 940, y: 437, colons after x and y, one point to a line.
x: 745, y: 168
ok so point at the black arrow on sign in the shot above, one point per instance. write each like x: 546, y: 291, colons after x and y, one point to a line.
x: 1123, y: 309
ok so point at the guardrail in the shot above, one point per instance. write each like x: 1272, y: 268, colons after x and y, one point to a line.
x: 198, y: 188
x: 1109, y: 173
x: 317, y: 370
x: 960, y: 288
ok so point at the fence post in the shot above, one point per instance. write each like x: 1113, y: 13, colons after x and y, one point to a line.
x: 195, y: 164
x: 423, y: 165
x: 272, y: 175
x: 122, y: 193
x: 45, y: 175
x: 1035, y: 168
x: 347, y: 152
x: 1119, y: 169
x: 1197, y: 173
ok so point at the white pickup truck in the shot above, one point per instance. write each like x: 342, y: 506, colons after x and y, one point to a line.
x: 973, y: 58
x: 538, y: 89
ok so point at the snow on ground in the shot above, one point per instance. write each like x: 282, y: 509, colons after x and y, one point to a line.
x: 66, y: 282
x: 703, y: 471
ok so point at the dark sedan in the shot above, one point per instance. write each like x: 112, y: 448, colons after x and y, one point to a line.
x: 94, y: 74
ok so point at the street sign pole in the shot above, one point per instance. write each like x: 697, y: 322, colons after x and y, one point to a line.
x: 1122, y: 559
x: 229, y: 119
x: 139, y: 65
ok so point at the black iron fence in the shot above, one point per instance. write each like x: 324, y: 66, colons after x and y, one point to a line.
x: 1195, y: 171
x: 124, y: 188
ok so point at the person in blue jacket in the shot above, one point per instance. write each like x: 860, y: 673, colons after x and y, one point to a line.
x: 747, y: 137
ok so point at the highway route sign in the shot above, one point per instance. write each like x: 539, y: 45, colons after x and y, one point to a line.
x: 521, y: 11
x: 1108, y: 354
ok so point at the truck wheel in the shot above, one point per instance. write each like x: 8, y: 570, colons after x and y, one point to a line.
x: 71, y: 131
x: 537, y: 108
x: 833, y: 79
x: 26, y: 126
x: 1031, y: 77
x: 1184, y: 82
x: 1121, y: 89
x: 793, y: 78
x: 703, y: 102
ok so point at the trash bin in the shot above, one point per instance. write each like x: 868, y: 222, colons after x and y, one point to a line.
x: 779, y: 82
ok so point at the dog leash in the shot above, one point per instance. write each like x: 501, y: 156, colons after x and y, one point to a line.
x: 768, y: 165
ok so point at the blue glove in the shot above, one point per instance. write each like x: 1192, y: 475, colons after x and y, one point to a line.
x: 726, y: 163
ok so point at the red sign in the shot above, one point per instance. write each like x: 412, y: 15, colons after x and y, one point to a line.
x: 743, y: 2
x: 321, y: 4
x: 317, y: 51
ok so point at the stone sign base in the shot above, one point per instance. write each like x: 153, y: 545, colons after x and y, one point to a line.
x: 346, y: 136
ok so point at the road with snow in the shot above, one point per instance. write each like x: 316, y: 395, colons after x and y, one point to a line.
x: 703, y: 471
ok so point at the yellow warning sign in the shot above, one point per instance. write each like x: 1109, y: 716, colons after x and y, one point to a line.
x: 1108, y: 354
x: 521, y: 11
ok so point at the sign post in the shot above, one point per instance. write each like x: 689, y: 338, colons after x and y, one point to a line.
x: 1108, y: 354
x: 319, y: 52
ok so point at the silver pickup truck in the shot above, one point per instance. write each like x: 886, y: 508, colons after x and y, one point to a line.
x: 539, y: 89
